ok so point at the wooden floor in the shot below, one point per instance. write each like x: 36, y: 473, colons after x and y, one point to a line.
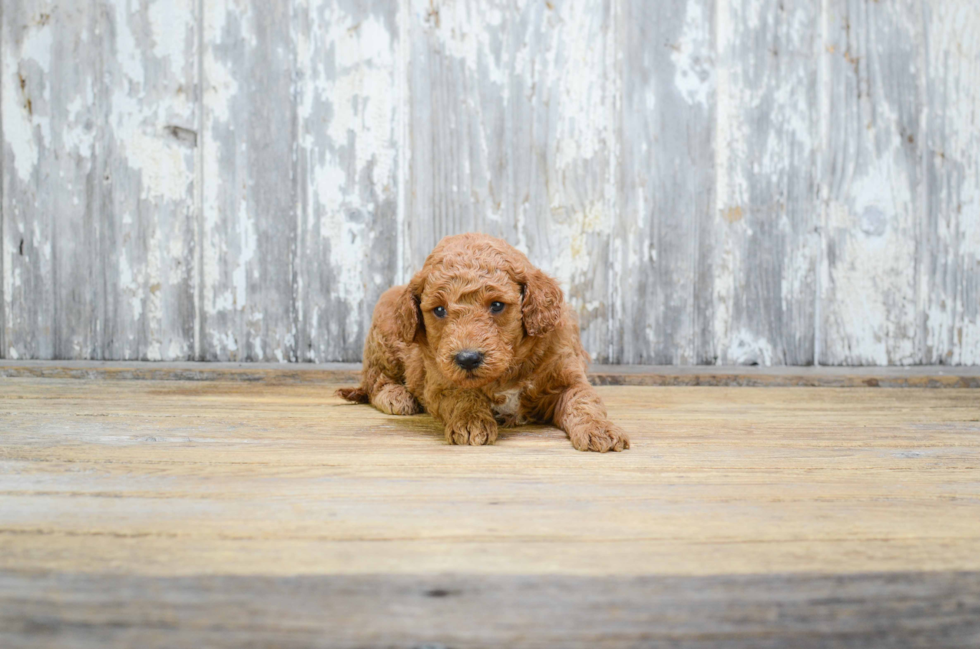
x: 230, y: 513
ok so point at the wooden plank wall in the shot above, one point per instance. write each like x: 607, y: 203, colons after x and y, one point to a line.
x: 713, y: 181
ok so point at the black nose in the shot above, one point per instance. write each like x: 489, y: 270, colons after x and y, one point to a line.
x: 469, y: 359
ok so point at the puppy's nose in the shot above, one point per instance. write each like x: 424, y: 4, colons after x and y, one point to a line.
x: 469, y: 359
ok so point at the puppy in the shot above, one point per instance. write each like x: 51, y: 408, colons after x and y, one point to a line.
x: 481, y: 338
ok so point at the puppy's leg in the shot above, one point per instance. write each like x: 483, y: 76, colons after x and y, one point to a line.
x: 582, y: 415
x: 384, y: 377
x: 383, y: 381
x: 466, y: 415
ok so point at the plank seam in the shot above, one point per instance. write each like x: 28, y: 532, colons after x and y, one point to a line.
x: 403, y: 146
x: 101, y: 336
x: 3, y: 233
x: 615, y: 52
x: 922, y: 190
x: 720, y: 155
x: 819, y: 160
x: 296, y: 252
x: 198, y: 266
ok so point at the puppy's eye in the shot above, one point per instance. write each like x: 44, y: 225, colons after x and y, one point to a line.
x: 439, y: 312
x: 497, y: 307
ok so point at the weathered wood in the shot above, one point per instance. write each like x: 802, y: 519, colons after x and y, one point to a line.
x: 667, y: 186
x: 347, y: 171
x: 250, y: 196
x: 899, y: 610
x: 513, y: 129
x: 98, y: 232
x: 872, y: 182
x: 179, y: 513
x: 5, y: 272
x: 949, y: 250
x: 764, y: 226
x: 635, y: 375
x: 740, y: 181
x: 178, y: 478
x: 150, y: 219
x: 53, y: 180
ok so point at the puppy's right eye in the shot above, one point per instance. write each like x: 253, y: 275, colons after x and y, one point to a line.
x: 439, y: 312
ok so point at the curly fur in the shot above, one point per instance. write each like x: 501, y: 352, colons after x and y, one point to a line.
x: 534, y: 367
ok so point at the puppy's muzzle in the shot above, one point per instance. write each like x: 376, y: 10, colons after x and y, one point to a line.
x: 469, y: 359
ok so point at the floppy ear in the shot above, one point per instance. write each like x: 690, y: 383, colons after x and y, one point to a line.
x: 410, y: 324
x: 541, y: 302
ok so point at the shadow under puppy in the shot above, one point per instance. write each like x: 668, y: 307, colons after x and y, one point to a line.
x: 480, y: 337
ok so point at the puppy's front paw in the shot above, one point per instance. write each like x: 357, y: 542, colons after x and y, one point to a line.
x: 475, y: 432
x: 395, y: 399
x: 600, y: 436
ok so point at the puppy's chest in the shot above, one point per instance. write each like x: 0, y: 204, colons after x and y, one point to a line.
x: 507, y: 408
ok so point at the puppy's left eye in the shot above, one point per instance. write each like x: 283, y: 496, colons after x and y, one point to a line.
x: 497, y: 307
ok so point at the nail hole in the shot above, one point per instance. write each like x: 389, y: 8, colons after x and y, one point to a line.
x: 183, y: 135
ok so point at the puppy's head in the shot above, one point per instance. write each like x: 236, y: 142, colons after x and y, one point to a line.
x: 472, y: 305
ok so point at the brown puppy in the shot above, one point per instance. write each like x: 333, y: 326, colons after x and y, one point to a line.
x: 480, y: 337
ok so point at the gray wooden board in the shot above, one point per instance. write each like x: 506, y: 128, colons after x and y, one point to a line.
x: 872, y: 182
x: 949, y: 259
x: 348, y: 161
x: 741, y: 181
x: 764, y: 227
x: 665, y: 278
x: 53, y: 152
x: 249, y: 187
x: 149, y: 54
x: 883, y: 610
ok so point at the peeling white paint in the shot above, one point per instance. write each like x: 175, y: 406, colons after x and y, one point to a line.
x: 19, y: 122
x: 952, y: 294
x: 577, y: 60
x: 574, y: 261
x: 466, y: 30
x: 872, y: 284
x: 247, y: 245
x: 351, y: 156
x: 7, y: 277
x: 132, y: 287
x: 164, y: 16
x: 727, y: 145
x: 127, y: 51
x: 693, y: 75
x: 79, y: 136
x: 746, y: 348
x: 545, y: 77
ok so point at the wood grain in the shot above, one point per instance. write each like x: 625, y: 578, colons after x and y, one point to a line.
x: 663, y: 308
x: 513, y: 133
x: 249, y: 193
x: 897, y: 610
x: 150, y: 73
x: 765, y: 243
x: 346, y: 255
x: 177, y: 478
x: 54, y: 181
x: 872, y: 175
x: 949, y: 261
x: 163, y: 513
